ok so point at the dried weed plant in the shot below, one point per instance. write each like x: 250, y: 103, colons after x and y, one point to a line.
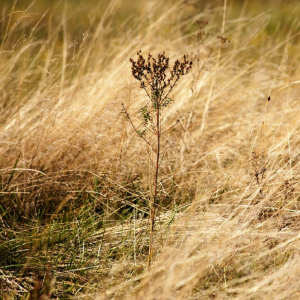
x: 158, y: 84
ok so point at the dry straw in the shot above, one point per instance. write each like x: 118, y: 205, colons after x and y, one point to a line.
x: 75, y: 184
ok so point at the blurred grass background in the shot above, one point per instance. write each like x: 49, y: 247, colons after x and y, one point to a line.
x: 75, y: 180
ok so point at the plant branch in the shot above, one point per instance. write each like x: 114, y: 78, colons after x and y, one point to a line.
x: 171, y: 127
x: 128, y: 117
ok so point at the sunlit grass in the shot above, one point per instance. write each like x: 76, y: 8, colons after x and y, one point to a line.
x: 75, y: 181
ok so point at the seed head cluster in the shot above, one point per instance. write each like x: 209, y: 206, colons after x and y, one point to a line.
x: 152, y: 74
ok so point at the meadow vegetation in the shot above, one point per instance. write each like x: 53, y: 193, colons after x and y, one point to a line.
x: 76, y: 179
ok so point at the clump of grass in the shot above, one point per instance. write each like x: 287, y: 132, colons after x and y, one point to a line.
x: 74, y: 187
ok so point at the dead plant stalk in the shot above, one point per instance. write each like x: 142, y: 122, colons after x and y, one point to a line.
x: 157, y: 81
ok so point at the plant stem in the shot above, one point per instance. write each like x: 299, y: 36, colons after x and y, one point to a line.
x: 153, y: 204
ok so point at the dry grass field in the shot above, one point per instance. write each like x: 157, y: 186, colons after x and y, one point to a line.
x: 76, y: 180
